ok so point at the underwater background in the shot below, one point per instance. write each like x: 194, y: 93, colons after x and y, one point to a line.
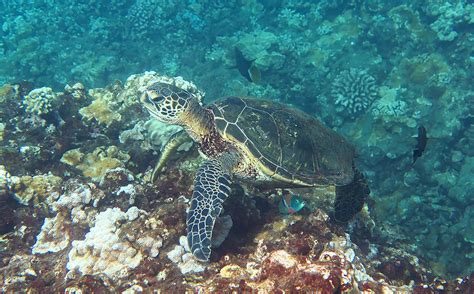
x: 77, y: 148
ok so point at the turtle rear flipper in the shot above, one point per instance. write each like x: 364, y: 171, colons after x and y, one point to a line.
x: 350, y: 198
x: 211, y: 188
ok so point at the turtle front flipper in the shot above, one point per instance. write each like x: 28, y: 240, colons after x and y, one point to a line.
x: 170, y: 147
x: 350, y: 198
x: 211, y: 188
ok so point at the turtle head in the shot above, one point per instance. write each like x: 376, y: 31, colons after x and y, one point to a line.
x: 166, y: 102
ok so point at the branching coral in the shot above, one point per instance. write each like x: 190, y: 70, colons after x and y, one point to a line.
x: 449, y: 16
x: 354, y: 91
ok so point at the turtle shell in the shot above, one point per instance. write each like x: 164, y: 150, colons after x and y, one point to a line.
x: 286, y: 144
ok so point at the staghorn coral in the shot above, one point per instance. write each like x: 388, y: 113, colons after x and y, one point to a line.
x: 353, y: 92
x: 41, y: 101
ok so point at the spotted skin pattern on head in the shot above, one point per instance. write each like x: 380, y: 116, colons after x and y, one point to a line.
x: 211, y: 188
x: 166, y: 101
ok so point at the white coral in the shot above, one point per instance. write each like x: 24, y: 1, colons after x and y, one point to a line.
x: 390, y: 104
x: 52, y: 237
x: 104, y: 250
x: 79, y: 196
x: 186, y: 262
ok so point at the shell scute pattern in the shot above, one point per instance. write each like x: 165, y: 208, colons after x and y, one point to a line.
x: 286, y: 141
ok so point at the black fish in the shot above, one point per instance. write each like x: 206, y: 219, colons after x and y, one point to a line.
x: 420, y: 143
x: 246, y: 67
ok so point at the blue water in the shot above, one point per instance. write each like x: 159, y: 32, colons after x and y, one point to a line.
x: 373, y: 70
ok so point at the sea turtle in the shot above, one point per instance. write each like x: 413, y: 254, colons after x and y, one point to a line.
x: 259, y: 141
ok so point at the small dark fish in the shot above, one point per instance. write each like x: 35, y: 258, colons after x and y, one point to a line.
x: 420, y: 143
x: 246, y: 67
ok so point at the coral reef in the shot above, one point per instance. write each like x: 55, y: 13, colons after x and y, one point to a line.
x: 34, y: 189
x: 103, y: 251
x: 96, y: 163
x: 51, y: 238
x: 184, y: 259
x: 100, y: 111
x: 354, y: 91
x: 69, y: 153
x: 104, y: 225
x: 40, y: 101
x: 448, y: 17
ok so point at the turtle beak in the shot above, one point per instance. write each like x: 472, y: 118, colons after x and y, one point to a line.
x: 147, y: 101
x: 144, y: 98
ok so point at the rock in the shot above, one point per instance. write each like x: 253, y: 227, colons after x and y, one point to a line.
x: 221, y: 230
x: 53, y: 237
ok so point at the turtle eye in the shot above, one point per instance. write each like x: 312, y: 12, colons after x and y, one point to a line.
x: 155, y: 97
